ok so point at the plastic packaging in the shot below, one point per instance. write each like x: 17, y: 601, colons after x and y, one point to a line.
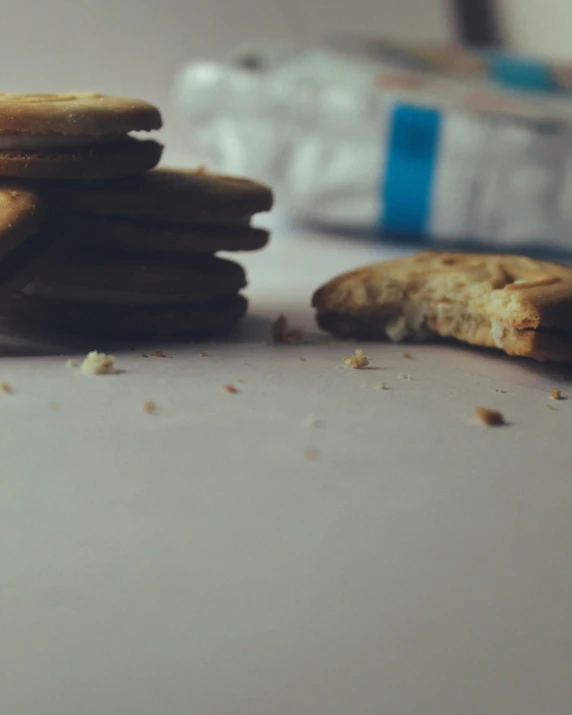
x: 368, y: 141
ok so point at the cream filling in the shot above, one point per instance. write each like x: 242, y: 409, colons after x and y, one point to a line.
x: 46, y: 142
x: 38, y: 289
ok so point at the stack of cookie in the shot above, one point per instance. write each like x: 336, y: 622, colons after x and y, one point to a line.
x: 93, y: 238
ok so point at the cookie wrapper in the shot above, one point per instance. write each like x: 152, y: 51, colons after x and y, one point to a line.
x: 440, y: 150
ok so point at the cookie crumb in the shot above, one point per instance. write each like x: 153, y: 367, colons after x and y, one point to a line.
x: 311, y: 454
x: 150, y: 407
x: 502, y: 392
x: 490, y: 418
x: 231, y: 389
x: 98, y: 364
x: 550, y: 407
x: 283, y: 334
x: 407, y: 356
x: 71, y: 363
x: 403, y: 376
x: 357, y: 361
x: 6, y: 388
x: 555, y: 394
x: 301, y: 359
x: 203, y: 354
x: 160, y: 354
x: 381, y: 386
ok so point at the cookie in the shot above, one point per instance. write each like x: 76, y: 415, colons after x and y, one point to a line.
x: 112, y: 276
x: 148, y: 236
x: 164, y: 195
x: 24, y: 238
x: 75, y: 136
x: 209, y: 318
x: 516, y: 304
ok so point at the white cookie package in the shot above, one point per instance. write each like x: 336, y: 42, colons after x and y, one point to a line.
x: 370, y: 142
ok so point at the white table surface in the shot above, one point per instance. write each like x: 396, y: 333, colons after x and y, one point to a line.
x: 195, y: 562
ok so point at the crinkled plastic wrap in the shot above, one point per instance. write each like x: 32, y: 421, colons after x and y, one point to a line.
x: 362, y: 140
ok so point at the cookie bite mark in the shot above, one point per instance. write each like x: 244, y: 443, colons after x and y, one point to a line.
x: 519, y: 305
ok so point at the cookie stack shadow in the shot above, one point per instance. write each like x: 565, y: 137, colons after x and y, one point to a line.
x: 95, y: 240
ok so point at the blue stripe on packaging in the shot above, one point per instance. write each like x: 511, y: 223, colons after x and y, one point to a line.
x: 412, y: 154
x: 520, y: 72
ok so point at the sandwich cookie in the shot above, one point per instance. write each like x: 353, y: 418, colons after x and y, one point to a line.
x: 120, y: 293
x: 99, y: 276
x: 162, y: 211
x: 81, y: 135
x: 150, y: 236
x: 200, y: 319
x: 24, y: 237
x: 165, y: 195
x: 516, y: 304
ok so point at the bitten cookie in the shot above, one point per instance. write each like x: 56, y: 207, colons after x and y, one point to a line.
x: 517, y: 304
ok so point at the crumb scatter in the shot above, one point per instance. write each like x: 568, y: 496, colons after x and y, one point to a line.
x: 311, y: 454
x: 489, y: 418
x: 98, y: 364
x: 150, y: 407
x: 357, y: 361
x: 283, y: 334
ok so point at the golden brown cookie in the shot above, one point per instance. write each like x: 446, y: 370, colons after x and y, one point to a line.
x: 148, y: 236
x: 75, y: 136
x: 517, y: 304
x: 74, y: 113
x: 24, y: 238
x: 165, y: 195
x: 208, y: 318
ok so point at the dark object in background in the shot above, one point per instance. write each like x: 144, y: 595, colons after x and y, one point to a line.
x: 477, y: 23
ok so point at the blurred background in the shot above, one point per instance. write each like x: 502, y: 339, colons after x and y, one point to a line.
x: 273, y: 132
x: 136, y: 46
